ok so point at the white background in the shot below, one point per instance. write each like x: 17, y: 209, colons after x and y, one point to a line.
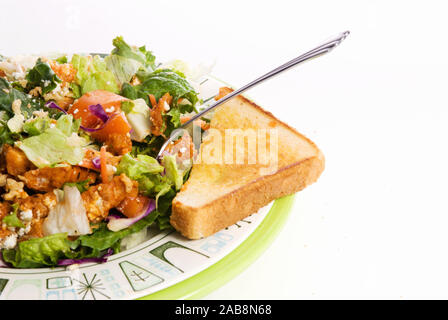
x: 375, y: 224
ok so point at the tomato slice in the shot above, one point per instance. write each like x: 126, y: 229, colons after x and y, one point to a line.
x: 117, y: 124
x: 133, y: 206
x: 110, y: 101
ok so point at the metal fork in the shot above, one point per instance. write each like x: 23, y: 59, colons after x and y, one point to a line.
x: 313, y: 53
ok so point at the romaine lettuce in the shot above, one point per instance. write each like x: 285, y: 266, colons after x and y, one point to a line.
x: 92, y: 74
x: 68, y: 125
x: 42, y: 76
x: 9, y: 94
x: 39, y: 252
x: 162, y: 81
x: 55, y: 145
x: 138, y: 115
x: 123, y: 68
x: 141, y: 55
x: 136, y: 168
x: 36, y: 126
x: 172, y: 172
x: 47, y: 251
x: 103, y: 238
x: 11, y: 220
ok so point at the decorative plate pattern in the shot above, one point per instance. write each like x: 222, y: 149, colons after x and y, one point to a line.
x: 165, y: 259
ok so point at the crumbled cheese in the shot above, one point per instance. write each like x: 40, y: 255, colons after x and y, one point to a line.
x: 49, y: 203
x: 24, y: 231
x: 75, y: 111
x: 13, y: 69
x: 166, y: 106
x: 10, y: 242
x: 26, y: 215
x: 111, y: 109
x: 59, y: 94
x: 21, y: 232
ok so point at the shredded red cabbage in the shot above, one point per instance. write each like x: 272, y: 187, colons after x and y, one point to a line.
x: 53, y: 105
x: 113, y: 216
x: 92, y: 129
x: 98, y: 111
x: 102, y: 259
x: 96, y: 162
x: 117, y: 224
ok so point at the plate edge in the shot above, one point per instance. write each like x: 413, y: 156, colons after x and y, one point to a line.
x: 205, y: 282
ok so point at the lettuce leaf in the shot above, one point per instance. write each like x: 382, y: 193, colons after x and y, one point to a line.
x: 139, y: 117
x: 123, y: 68
x: 11, y: 220
x: 47, y: 251
x: 141, y: 55
x: 136, y: 168
x: 92, y: 74
x: 146, y: 171
x: 39, y: 252
x: 41, y: 75
x: 162, y: 81
x: 9, y: 94
x: 68, y: 125
x: 158, y: 83
x: 81, y: 185
x: 55, y: 145
x: 172, y: 172
x: 36, y: 126
x: 103, y: 238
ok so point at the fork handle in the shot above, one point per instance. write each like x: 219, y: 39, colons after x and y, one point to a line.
x: 313, y: 53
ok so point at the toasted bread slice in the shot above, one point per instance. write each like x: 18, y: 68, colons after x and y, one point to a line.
x: 221, y: 193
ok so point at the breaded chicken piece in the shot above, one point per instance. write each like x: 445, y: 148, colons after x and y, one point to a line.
x: 47, y: 179
x: 99, y: 199
x: 16, y: 161
x: 118, y: 143
x: 5, y: 208
x: 39, y: 204
x: 91, y: 154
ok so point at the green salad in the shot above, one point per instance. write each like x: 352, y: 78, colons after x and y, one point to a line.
x: 79, y: 136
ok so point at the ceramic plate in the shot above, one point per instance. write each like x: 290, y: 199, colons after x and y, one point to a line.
x: 165, y: 266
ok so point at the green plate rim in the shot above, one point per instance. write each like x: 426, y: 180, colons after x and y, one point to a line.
x: 210, y: 279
